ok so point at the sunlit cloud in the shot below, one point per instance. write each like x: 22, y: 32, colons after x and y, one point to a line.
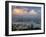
x: 24, y: 11
x: 18, y: 11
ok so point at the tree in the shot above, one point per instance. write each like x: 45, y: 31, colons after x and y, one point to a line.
x: 31, y: 26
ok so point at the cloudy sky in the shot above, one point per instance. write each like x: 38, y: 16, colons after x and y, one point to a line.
x: 24, y: 10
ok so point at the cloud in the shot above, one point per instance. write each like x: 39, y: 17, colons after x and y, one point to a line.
x: 24, y: 11
x: 18, y: 11
x: 33, y: 12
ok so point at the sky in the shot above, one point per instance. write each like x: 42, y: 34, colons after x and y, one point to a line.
x: 26, y: 10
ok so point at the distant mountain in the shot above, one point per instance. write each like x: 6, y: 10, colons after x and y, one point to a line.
x: 36, y: 19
